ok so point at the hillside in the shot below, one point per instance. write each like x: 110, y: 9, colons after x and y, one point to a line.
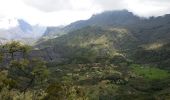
x: 113, y: 31
x: 104, y: 42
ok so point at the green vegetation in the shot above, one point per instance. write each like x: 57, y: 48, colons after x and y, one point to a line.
x: 85, y: 75
x: 23, y: 78
x: 110, y: 64
x: 150, y: 72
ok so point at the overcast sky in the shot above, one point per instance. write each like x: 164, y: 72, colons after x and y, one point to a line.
x: 62, y: 12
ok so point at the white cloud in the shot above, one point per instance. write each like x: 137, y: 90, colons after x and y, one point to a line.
x: 148, y: 7
x: 49, y: 5
x: 58, y: 12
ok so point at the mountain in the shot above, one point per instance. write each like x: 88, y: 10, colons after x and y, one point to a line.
x: 140, y: 26
x: 90, y: 40
x: 105, y: 19
x: 114, y: 32
x: 123, y: 56
x: 108, y: 18
x: 19, y: 29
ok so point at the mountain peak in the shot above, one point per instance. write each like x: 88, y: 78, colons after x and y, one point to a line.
x: 26, y: 27
x: 107, y: 18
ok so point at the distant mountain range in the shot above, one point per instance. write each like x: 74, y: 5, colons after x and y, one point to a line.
x: 144, y: 29
x: 18, y: 29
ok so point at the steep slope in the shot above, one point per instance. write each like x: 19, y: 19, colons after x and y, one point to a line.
x: 89, y: 41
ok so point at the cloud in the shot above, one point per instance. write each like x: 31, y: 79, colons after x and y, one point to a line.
x: 148, y: 7
x: 140, y: 7
x: 59, y: 12
x: 111, y: 4
x: 48, y: 12
x: 59, y: 5
x: 49, y: 5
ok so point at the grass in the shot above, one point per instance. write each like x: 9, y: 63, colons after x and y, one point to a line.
x: 150, y: 72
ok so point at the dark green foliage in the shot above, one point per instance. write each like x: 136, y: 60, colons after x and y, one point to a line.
x: 159, y: 56
x: 22, y: 76
x: 1, y: 56
x: 59, y: 91
x: 28, y: 74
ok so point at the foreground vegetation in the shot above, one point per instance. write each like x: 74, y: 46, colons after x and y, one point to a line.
x: 24, y: 78
x: 90, y: 78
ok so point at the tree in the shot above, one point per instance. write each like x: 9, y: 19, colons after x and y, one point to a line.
x: 28, y: 74
x: 12, y: 47
x: 25, y: 50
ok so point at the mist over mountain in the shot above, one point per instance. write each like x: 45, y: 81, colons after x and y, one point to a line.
x: 18, y: 29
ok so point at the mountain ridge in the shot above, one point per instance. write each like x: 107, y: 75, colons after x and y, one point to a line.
x: 104, y: 19
x: 120, y: 18
x: 127, y: 38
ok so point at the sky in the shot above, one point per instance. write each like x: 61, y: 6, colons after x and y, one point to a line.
x: 63, y: 12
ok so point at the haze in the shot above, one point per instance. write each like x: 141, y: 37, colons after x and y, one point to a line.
x: 63, y: 12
